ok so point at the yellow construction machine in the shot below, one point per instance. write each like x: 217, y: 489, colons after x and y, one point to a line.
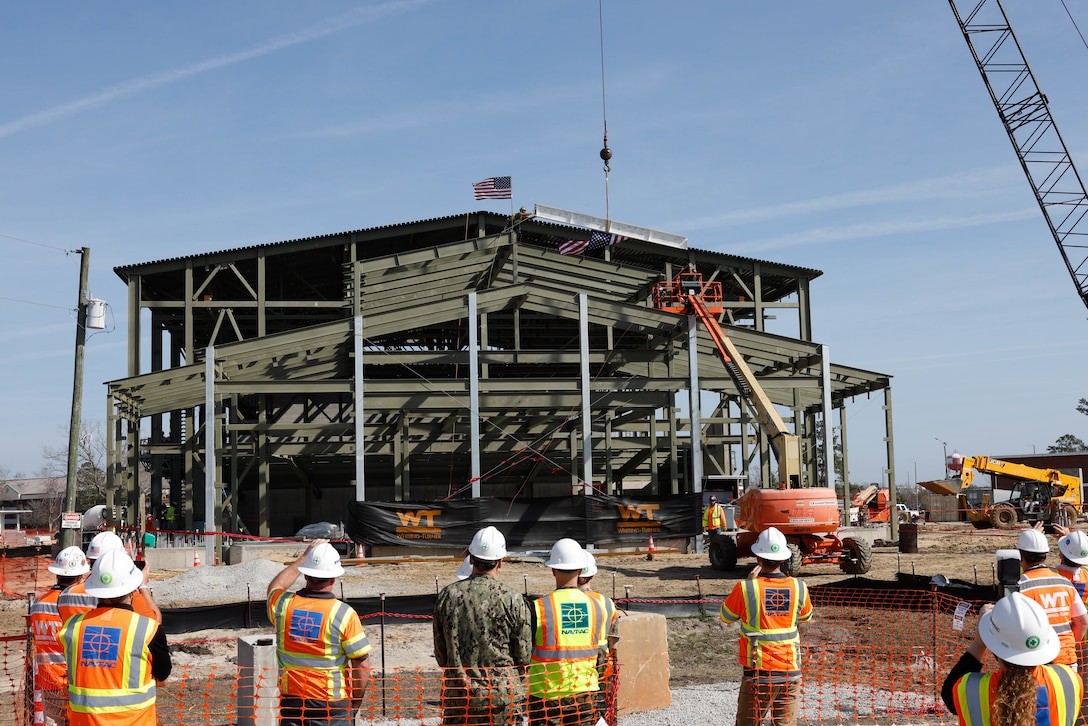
x: 1038, y: 495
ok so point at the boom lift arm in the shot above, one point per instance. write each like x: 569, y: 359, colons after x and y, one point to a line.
x: 971, y: 464
x: 689, y: 293
x: 1025, y: 114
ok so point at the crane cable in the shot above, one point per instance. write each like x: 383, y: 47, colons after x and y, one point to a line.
x: 1075, y: 26
x: 606, y: 153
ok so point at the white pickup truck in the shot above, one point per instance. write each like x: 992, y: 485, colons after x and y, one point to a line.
x: 906, y: 513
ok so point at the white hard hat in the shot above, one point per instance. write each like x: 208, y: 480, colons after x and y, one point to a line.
x: 322, y: 562
x: 1075, y: 547
x: 70, y: 562
x: 567, y: 555
x: 1018, y: 631
x: 1032, y: 540
x: 102, y: 543
x: 590, y: 568
x: 771, y: 545
x: 114, y: 574
x: 465, y: 569
x: 488, y: 544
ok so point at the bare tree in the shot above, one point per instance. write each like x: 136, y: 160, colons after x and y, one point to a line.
x: 91, y: 475
x: 45, y: 512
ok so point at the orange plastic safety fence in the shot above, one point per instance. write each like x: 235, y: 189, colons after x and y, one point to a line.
x: 22, y: 575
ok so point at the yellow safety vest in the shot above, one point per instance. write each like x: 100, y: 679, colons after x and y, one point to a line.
x: 1059, y: 692
x: 570, y: 627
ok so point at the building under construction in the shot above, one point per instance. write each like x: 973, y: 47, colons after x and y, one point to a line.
x: 458, y: 357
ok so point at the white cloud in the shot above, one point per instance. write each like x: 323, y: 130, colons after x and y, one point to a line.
x: 319, y: 30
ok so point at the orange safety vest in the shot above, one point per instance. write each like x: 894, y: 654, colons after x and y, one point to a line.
x: 75, y: 601
x: 769, y: 609
x: 316, y: 639
x: 50, y: 672
x: 1059, y: 692
x: 1059, y: 598
x: 1078, y: 578
x: 109, y: 668
x: 714, y: 517
x: 570, y: 628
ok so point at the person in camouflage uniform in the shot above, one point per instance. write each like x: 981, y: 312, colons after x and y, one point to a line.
x: 483, y: 641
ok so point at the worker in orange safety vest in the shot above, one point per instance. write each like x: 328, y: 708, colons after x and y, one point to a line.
x: 321, y: 645
x: 114, y: 656
x: 1027, y: 687
x: 714, y: 518
x: 50, y: 672
x: 568, y: 629
x: 1060, y: 600
x: 1073, y: 546
x: 769, y: 605
x: 75, y: 600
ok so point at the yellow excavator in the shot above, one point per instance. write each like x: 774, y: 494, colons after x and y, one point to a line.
x: 1038, y: 495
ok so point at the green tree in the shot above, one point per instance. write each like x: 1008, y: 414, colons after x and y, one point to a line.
x: 1067, y: 443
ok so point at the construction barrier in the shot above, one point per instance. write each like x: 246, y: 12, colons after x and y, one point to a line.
x: 869, y: 657
x: 20, y: 576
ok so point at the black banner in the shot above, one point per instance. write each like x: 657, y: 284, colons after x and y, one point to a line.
x: 526, y: 523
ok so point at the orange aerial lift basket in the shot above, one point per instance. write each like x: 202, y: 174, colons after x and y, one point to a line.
x: 672, y: 295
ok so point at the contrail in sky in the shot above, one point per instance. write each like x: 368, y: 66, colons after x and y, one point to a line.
x: 164, y: 78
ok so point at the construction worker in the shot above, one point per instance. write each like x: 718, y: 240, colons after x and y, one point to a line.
x: 321, y: 645
x: 1025, y: 689
x: 606, y: 666
x: 568, y: 627
x: 1060, y: 600
x: 482, y: 640
x: 115, y: 656
x: 1073, y: 546
x: 75, y: 600
x: 714, y: 518
x: 769, y: 606
x: 50, y: 672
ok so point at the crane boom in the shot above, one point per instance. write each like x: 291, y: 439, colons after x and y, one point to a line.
x: 1025, y: 114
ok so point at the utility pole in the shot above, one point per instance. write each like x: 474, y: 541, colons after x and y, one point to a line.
x: 71, y: 537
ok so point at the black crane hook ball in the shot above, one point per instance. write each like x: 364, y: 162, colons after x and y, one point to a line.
x: 606, y: 154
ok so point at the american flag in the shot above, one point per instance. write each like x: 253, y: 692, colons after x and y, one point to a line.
x: 496, y: 187
x: 596, y: 241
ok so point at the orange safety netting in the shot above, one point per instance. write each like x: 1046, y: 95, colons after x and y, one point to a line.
x: 22, y: 575
x: 870, y: 656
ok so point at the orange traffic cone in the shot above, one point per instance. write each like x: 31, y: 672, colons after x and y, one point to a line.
x: 651, y: 549
x: 196, y: 558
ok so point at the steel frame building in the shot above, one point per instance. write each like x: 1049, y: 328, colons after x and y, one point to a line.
x: 468, y: 357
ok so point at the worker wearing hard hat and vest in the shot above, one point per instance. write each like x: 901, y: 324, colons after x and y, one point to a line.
x: 606, y: 656
x: 50, y: 671
x: 1028, y: 687
x: 1073, y: 546
x: 768, y: 606
x: 1060, y: 600
x: 75, y: 600
x: 482, y: 640
x: 114, y: 655
x: 321, y: 645
x: 714, y: 518
x: 568, y: 628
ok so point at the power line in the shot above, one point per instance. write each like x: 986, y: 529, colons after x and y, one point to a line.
x: 44, y: 305
x: 38, y: 244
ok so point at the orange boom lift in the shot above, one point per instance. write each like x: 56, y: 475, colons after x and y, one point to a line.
x: 808, y: 516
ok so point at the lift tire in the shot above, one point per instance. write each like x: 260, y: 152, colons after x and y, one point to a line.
x: 723, y: 553
x: 1003, y: 517
x: 859, y: 558
x: 1070, y: 515
x: 792, y: 566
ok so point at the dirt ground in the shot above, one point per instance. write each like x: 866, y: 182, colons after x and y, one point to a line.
x: 701, y: 650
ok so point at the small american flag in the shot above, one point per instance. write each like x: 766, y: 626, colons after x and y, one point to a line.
x: 496, y: 187
x: 596, y: 241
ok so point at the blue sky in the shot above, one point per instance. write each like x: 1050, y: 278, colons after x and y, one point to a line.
x: 854, y: 137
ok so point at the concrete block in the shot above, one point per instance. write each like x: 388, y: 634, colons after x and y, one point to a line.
x: 642, y: 654
x: 248, y: 551
x: 258, y: 676
x: 171, y: 558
